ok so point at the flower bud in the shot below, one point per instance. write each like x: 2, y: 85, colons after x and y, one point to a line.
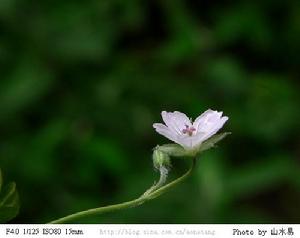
x: 160, y: 159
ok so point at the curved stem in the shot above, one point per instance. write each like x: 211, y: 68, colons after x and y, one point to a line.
x: 133, y: 203
x: 99, y: 210
x: 170, y: 185
x: 163, y: 171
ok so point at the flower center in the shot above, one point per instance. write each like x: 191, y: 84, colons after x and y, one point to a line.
x: 188, y: 130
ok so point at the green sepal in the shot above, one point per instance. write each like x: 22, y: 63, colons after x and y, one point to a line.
x: 173, y: 150
x: 212, y: 141
x: 9, y: 201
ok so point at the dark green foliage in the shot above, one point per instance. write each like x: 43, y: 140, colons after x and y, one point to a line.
x: 83, y: 81
x: 9, y: 201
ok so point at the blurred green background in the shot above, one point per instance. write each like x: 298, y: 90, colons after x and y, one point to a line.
x: 82, y: 82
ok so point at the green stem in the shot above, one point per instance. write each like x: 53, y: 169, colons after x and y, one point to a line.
x: 163, y: 171
x: 129, y: 204
x: 170, y: 185
x: 97, y: 211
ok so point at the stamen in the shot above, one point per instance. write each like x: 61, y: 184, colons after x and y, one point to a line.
x: 188, y: 130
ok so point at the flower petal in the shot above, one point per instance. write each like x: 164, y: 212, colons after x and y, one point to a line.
x: 170, y: 123
x: 216, y: 126
x: 208, y: 115
x: 198, y: 138
x: 180, y: 118
x: 176, y: 121
x: 165, y: 131
x: 187, y: 142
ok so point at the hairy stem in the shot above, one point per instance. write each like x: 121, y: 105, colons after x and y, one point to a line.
x: 162, y: 179
x: 154, y: 192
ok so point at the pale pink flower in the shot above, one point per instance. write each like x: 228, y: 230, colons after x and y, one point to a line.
x: 190, y: 135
